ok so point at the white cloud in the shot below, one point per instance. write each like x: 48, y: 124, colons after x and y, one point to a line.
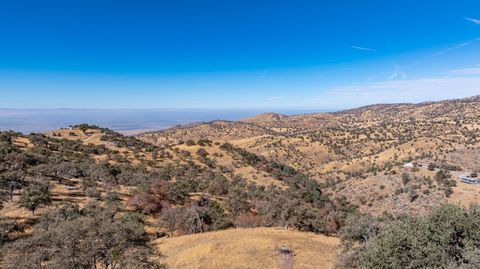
x: 464, y: 44
x: 398, y: 72
x: 476, y: 21
x: 466, y: 71
x: 275, y: 98
x: 452, y: 48
x: 397, y: 91
x: 378, y: 76
x: 363, y: 48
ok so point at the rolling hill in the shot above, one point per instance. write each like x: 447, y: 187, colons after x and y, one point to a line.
x: 278, y: 191
x: 358, y: 151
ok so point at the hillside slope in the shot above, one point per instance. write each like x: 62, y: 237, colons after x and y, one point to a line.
x: 249, y: 248
x: 371, y: 142
x: 106, y: 197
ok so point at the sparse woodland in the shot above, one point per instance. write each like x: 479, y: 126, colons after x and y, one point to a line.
x: 89, y: 197
x: 116, y: 196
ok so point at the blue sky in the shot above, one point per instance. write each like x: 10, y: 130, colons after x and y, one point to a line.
x: 236, y: 54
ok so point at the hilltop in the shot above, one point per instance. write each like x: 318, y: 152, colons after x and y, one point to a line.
x: 252, y: 248
x: 359, y: 153
x: 264, y: 117
x: 88, y: 180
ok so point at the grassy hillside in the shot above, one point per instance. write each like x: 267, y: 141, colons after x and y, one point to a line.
x: 272, y: 190
x: 359, y: 154
x: 249, y: 248
x: 93, y: 181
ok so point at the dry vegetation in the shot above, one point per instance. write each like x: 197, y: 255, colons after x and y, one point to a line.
x: 356, y: 152
x: 94, y: 181
x: 189, y: 192
x: 249, y: 248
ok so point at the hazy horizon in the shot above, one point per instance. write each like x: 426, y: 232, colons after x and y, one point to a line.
x: 340, y: 106
x: 122, y: 120
x: 135, y: 120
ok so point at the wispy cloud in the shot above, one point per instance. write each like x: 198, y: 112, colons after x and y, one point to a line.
x: 363, y: 48
x: 394, y: 91
x: 275, y: 98
x: 476, y: 21
x: 475, y: 71
x: 397, y: 73
x: 378, y: 76
x: 464, y: 44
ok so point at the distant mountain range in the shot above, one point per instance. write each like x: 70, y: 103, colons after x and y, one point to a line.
x: 122, y: 120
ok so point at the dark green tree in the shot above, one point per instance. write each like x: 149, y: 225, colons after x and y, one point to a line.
x: 34, y: 196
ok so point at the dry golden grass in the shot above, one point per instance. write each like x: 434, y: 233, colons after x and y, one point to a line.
x: 367, y: 142
x: 94, y: 137
x: 236, y: 248
x: 248, y: 248
x: 464, y: 194
x: 22, y: 142
x: 220, y: 157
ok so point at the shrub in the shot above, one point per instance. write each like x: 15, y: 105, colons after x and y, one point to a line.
x: 405, y: 178
x: 170, y: 219
x: 85, y: 241
x: 7, y: 227
x: 92, y: 192
x: 447, y: 238
x: 448, y: 191
x: 202, y: 153
x: 398, y: 191
x: 248, y: 220
x: 145, y: 203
